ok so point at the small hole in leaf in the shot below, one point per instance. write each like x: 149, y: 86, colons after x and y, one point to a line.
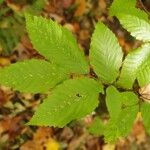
x: 78, y: 95
x: 124, y: 106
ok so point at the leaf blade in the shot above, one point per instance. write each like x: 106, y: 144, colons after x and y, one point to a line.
x: 121, y: 124
x: 143, y: 75
x: 134, y: 67
x: 139, y: 28
x: 31, y: 76
x: 105, y: 54
x: 97, y: 127
x: 80, y: 98
x: 57, y: 45
x: 145, y: 110
x: 127, y: 7
x: 113, y: 101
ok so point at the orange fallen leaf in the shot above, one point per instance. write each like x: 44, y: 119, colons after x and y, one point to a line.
x: 81, y: 7
x: 4, y: 61
x: 52, y: 145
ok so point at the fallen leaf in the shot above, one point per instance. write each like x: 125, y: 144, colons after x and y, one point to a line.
x: 81, y: 8
x: 102, y: 5
x: 145, y: 93
x: 67, y: 3
x: 13, y: 6
x: 138, y: 132
x: 52, y: 145
x: 4, y: 61
x: 66, y: 134
x: 31, y: 145
x: 42, y: 134
x: 40, y: 139
x: 109, y: 147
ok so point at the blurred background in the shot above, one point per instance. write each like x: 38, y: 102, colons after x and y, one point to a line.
x: 80, y: 17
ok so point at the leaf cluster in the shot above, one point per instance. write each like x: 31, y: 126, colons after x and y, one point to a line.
x: 74, y: 98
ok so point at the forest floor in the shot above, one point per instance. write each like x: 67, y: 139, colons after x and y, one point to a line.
x: 80, y: 17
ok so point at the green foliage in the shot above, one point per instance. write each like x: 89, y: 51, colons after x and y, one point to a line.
x: 105, y: 54
x: 73, y: 97
x: 127, y: 7
x: 62, y: 106
x: 145, y: 111
x: 113, y: 102
x: 132, y: 19
x: 136, y: 66
x: 122, y: 116
x: 97, y: 127
x: 31, y: 76
x: 139, y: 28
x: 123, y: 108
x: 58, y: 44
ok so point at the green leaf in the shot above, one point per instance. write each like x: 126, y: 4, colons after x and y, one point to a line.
x: 56, y: 44
x: 121, y: 119
x: 136, y: 66
x: 129, y: 112
x: 71, y: 100
x: 97, y: 127
x: 143, y: 75
x: 126, y: 7
x: 105, y: 54
x: 139, y: 28
x: 145, y: 111
x: 132, y: 19
x: 111, y: 132
x: 31, y: 76
x: 113, y: 102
